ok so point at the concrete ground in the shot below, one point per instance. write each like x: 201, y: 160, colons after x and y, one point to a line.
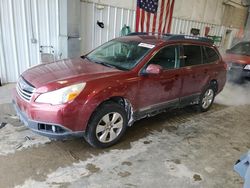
x: 180, y: 148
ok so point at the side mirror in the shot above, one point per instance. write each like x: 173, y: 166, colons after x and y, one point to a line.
x: 153, y: 69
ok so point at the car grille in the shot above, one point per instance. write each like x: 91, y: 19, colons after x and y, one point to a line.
x: 24, y: 89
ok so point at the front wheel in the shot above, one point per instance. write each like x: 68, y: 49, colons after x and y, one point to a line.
x: 107, y: 125
x: 206, y: 99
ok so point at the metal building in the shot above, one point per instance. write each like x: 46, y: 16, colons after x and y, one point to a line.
x: 32, y: 31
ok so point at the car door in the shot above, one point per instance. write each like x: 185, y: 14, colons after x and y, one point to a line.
x: 161, y: 90
x: 194, y: 73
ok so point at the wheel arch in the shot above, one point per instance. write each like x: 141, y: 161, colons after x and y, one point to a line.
x: 124, y: 102
x: 214, y: 83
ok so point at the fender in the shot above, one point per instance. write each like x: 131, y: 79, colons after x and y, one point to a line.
x: 110, y: 89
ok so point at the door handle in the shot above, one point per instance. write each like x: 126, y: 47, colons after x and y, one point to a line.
x: 183, y: 57
x: 205, y: 71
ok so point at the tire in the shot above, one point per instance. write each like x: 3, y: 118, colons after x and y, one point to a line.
x: 106, y: 126
x: 206, y: 99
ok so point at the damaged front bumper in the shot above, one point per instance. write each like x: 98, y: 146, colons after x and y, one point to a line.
x: 53, y: 131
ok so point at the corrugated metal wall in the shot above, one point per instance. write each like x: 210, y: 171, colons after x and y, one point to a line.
x: 25, y: 25
x: 182, y: 26
x: 114, y: 18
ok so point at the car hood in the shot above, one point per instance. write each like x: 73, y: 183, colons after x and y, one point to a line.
x: 236, y: 58
x: 66, y: 72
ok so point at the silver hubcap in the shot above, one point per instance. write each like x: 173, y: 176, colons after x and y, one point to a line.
x: 109, y: 127
x: 208, y: 98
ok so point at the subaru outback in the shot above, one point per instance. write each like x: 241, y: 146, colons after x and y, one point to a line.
x: 97, y: 96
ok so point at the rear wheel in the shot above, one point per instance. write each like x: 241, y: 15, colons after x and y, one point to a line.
x: 206, y: 99
x: 107, y: 125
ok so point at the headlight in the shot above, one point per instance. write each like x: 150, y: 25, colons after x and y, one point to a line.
x: 247, y: 67
x: 62, y: 95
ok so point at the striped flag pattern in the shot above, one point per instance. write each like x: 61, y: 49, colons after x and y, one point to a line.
x: 154, y: 16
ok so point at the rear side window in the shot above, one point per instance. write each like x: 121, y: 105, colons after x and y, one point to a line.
x: 191, y: 55
x: 209, y: 55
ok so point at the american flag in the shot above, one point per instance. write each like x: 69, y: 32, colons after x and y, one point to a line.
x: 154, y: 16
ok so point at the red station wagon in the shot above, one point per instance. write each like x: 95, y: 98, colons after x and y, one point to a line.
x: 128, y: 78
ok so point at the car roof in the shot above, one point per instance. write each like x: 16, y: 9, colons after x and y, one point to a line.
x: 151, y: 39
x: 157, y: 39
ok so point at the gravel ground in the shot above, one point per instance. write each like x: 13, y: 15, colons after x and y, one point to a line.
x: 180, y: 148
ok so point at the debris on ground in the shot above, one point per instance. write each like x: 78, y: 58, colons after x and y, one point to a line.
x: 19, y: 146
x: 13, y: 116
x: 2, y: 125
x: 21, y: 128
x: 73, y: 155
x: 27, y: 138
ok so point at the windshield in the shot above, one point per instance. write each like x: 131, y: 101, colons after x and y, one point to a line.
x: 121, y: 55
x: 241, y: 48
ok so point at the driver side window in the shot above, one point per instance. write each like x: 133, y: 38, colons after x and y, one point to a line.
x: 166, y: 58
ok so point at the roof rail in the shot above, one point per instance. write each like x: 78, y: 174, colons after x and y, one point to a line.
x: 188, y: 37
x: 139, y: 33
x: 175, y: 37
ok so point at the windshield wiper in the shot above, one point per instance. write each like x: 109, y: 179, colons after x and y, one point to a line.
x: 113, y: 66
x: 106, y: 64
x: 101, y: 63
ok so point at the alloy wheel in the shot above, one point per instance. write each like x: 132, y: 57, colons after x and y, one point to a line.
x: 109, y: 127
x: 207, y: 98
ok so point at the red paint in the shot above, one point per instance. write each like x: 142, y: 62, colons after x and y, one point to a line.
x: 236, y: 58
x: 102, y: 83
x: 171, y: 16
x: 166, y: 17
x: 161, y: 16
x: 138, y: 12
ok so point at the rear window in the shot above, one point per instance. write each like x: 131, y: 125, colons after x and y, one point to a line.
x: 191, y: 55
x: 209, y: 55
